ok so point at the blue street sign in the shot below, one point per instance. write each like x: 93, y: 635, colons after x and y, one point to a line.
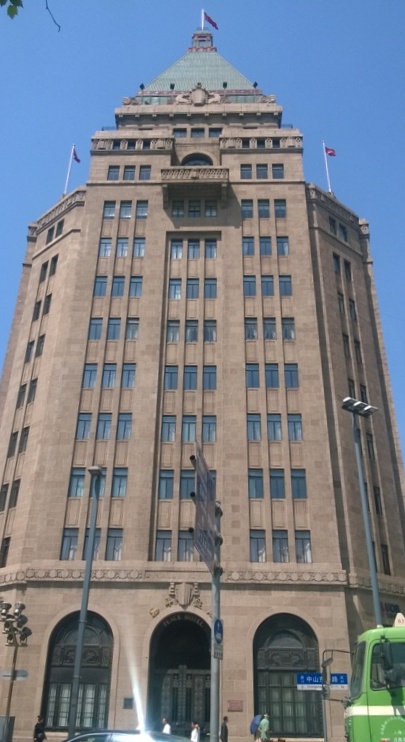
x: 309, y: 681
x: 218, y: 631
x: 339, y: 680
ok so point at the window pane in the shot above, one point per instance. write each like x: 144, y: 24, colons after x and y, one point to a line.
x: 124, y: 426
x: 251, y: 328
x: 170, y: 380
x: 267, y: 286
x: 166, y: 484
x: 139, y: 247
x: 277, y: 488
x: 210, y: 377
x: 255, y: 481
x: 190, y: 378
x: 109, y: 374
x: 191, y: 335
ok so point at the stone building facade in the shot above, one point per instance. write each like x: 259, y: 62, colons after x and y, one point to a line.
x: 196, y: 289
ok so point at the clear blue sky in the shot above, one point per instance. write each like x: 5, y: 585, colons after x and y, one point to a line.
x: 337, y: 67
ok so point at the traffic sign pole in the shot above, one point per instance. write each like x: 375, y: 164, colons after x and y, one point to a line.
x: 216, y: 612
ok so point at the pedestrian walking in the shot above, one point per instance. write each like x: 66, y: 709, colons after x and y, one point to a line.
x: 223, y: 734
x: 166, y: 726
x: 39, y: 730
x: 264, y: 727
x: 195, y: 732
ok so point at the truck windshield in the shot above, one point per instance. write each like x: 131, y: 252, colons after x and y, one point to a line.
x: 396, y: 675
x: 358, y: 667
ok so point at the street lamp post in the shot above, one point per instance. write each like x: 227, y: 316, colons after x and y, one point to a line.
x: 17, y: 633
x: 96, y: 474
x: 358, y: 408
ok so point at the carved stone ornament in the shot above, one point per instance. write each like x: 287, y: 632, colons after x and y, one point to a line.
x: 197, y: 96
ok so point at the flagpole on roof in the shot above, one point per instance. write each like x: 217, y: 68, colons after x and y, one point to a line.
x: 326, y: 167
x: 202, y: 19
x: 69, y: 169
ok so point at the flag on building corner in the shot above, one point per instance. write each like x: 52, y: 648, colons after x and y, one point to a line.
x: 330, y: 152
x: 210, y: 21
x: 75, y: 157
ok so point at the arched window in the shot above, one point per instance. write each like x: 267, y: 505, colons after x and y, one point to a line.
x: 197, y: 160
x: 285, y: 645
x: 94, y: 689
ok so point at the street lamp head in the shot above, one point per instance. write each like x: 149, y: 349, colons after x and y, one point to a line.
x: 4, y: 610
x: 357, y: 407
x: 95, y: 471
x: 18, y: 608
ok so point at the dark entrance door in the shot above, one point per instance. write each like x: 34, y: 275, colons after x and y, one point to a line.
x: 179, y: 673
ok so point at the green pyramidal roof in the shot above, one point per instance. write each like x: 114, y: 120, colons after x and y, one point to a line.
x: 201, y: 65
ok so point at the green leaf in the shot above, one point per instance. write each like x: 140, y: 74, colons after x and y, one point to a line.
x: 17, y: 3
x: 3, y: 2
x: 12, y: 11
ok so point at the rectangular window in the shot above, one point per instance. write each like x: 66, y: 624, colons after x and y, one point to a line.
x: 190, y: 378
x: 352, y: 388
x: 104, y: 426
x: 294, y: 427
x: 272, y: 376
x: 144, y: 172
x: 263, y: 207
x: 267, y: 285
x: 100, y: 286
x: 129, y: 172
x: 109, y: 374
x: 343, y: 233
x: 332, y: 226
x: 96, y: 544
x: 252, y: 376
x: 251, y: 328
x: 32, y: 391
x: 193, y: 249
x: 135, y: 286
x: 3, y: 497
x: 280, y: 547
x: 109, y: 210
x: 209, y: 428
x: 119, y: 482
x: 357, y: 352
x: 288, y: 328
x: 265, y: 246
x: 141, y: 211
x: 50, y: 235
x: 378, y: 501
x: 269, y: 328
x: 285, y: 286
x: 197, y: 133
x: 139, y: 247
x: 187, y: 484
x: 122, y: 247
x: 124, y: 426
x: 188, y: 428
x: 341, y: 304
x: 5, y: 548
x: 14, y: 492
x: 211, y: 209
x: 113, y: 172
x: 214, y: 132
x: 132, y: 328
x: 104, y: 248
x: 43, y: 271
x: 370, y: 446
x: 95, y: 328
x: 23, y: 440
x: 246, y: 172
x: 193, y: 288
x: 248, y: 246
x: 283, y: 247
x: 176, y: 249
x: 346, y: 346
x: 175, y: 288
x: 210, y: 288
x: 247, y: 208
x: 194, y: 209
x: 254, y: 432
x: 125, y: 209
x: 363, y: 394
x: 209, y: 378
x: 191, y: 335
x: 59, y: 228
x: 113, y: 551
x: 118, y: 285
x: 210, y: 331
x: 29, y: 351
x: 385, y: 559
x: 69, y: 544
x: 303, y: 550
x: 89, y: 376
x: 277, y: 484
x: 47, y: 304
x: 277, y: 171
x: 171, y: 377
x: 291, y: 376
x: 298, y: 484
x: 210, y: 249
x: 262, y: 172
x: 173, y: 331
x: 165, y: 491
x: 128, y: 376
x: 274, y: 432
x: 177, y: 209
x: 21, y: 396
x: 12, y: 444
x: 257, y: 546
x: 40, y: 346
x: 336, y: 263
x: 185, y: 547
x: 163, y: 547
x: 280, y: 208
x: 37, y: 311
x: 179, y: 133
x: 255, y: 484
x: 168, y: 428
x: 348, y: 271
x: 113, y: 328
x: 352, y: 310
x: 76, y: 484
x: 249, y: 285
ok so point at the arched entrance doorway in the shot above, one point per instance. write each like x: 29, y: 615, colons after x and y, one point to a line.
x: 179, y: 673
x: 285, y: 645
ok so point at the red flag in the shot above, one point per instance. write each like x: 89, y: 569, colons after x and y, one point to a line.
x: 209, y: 20
x: 75, y: 157
x: 330, y: 152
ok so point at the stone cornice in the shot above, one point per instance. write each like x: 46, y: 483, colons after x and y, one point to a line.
x: 77, y: 198
x: 328, y: 200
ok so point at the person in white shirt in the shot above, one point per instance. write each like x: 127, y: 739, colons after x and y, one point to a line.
x: 166, y: 726
x: 195, y: 732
